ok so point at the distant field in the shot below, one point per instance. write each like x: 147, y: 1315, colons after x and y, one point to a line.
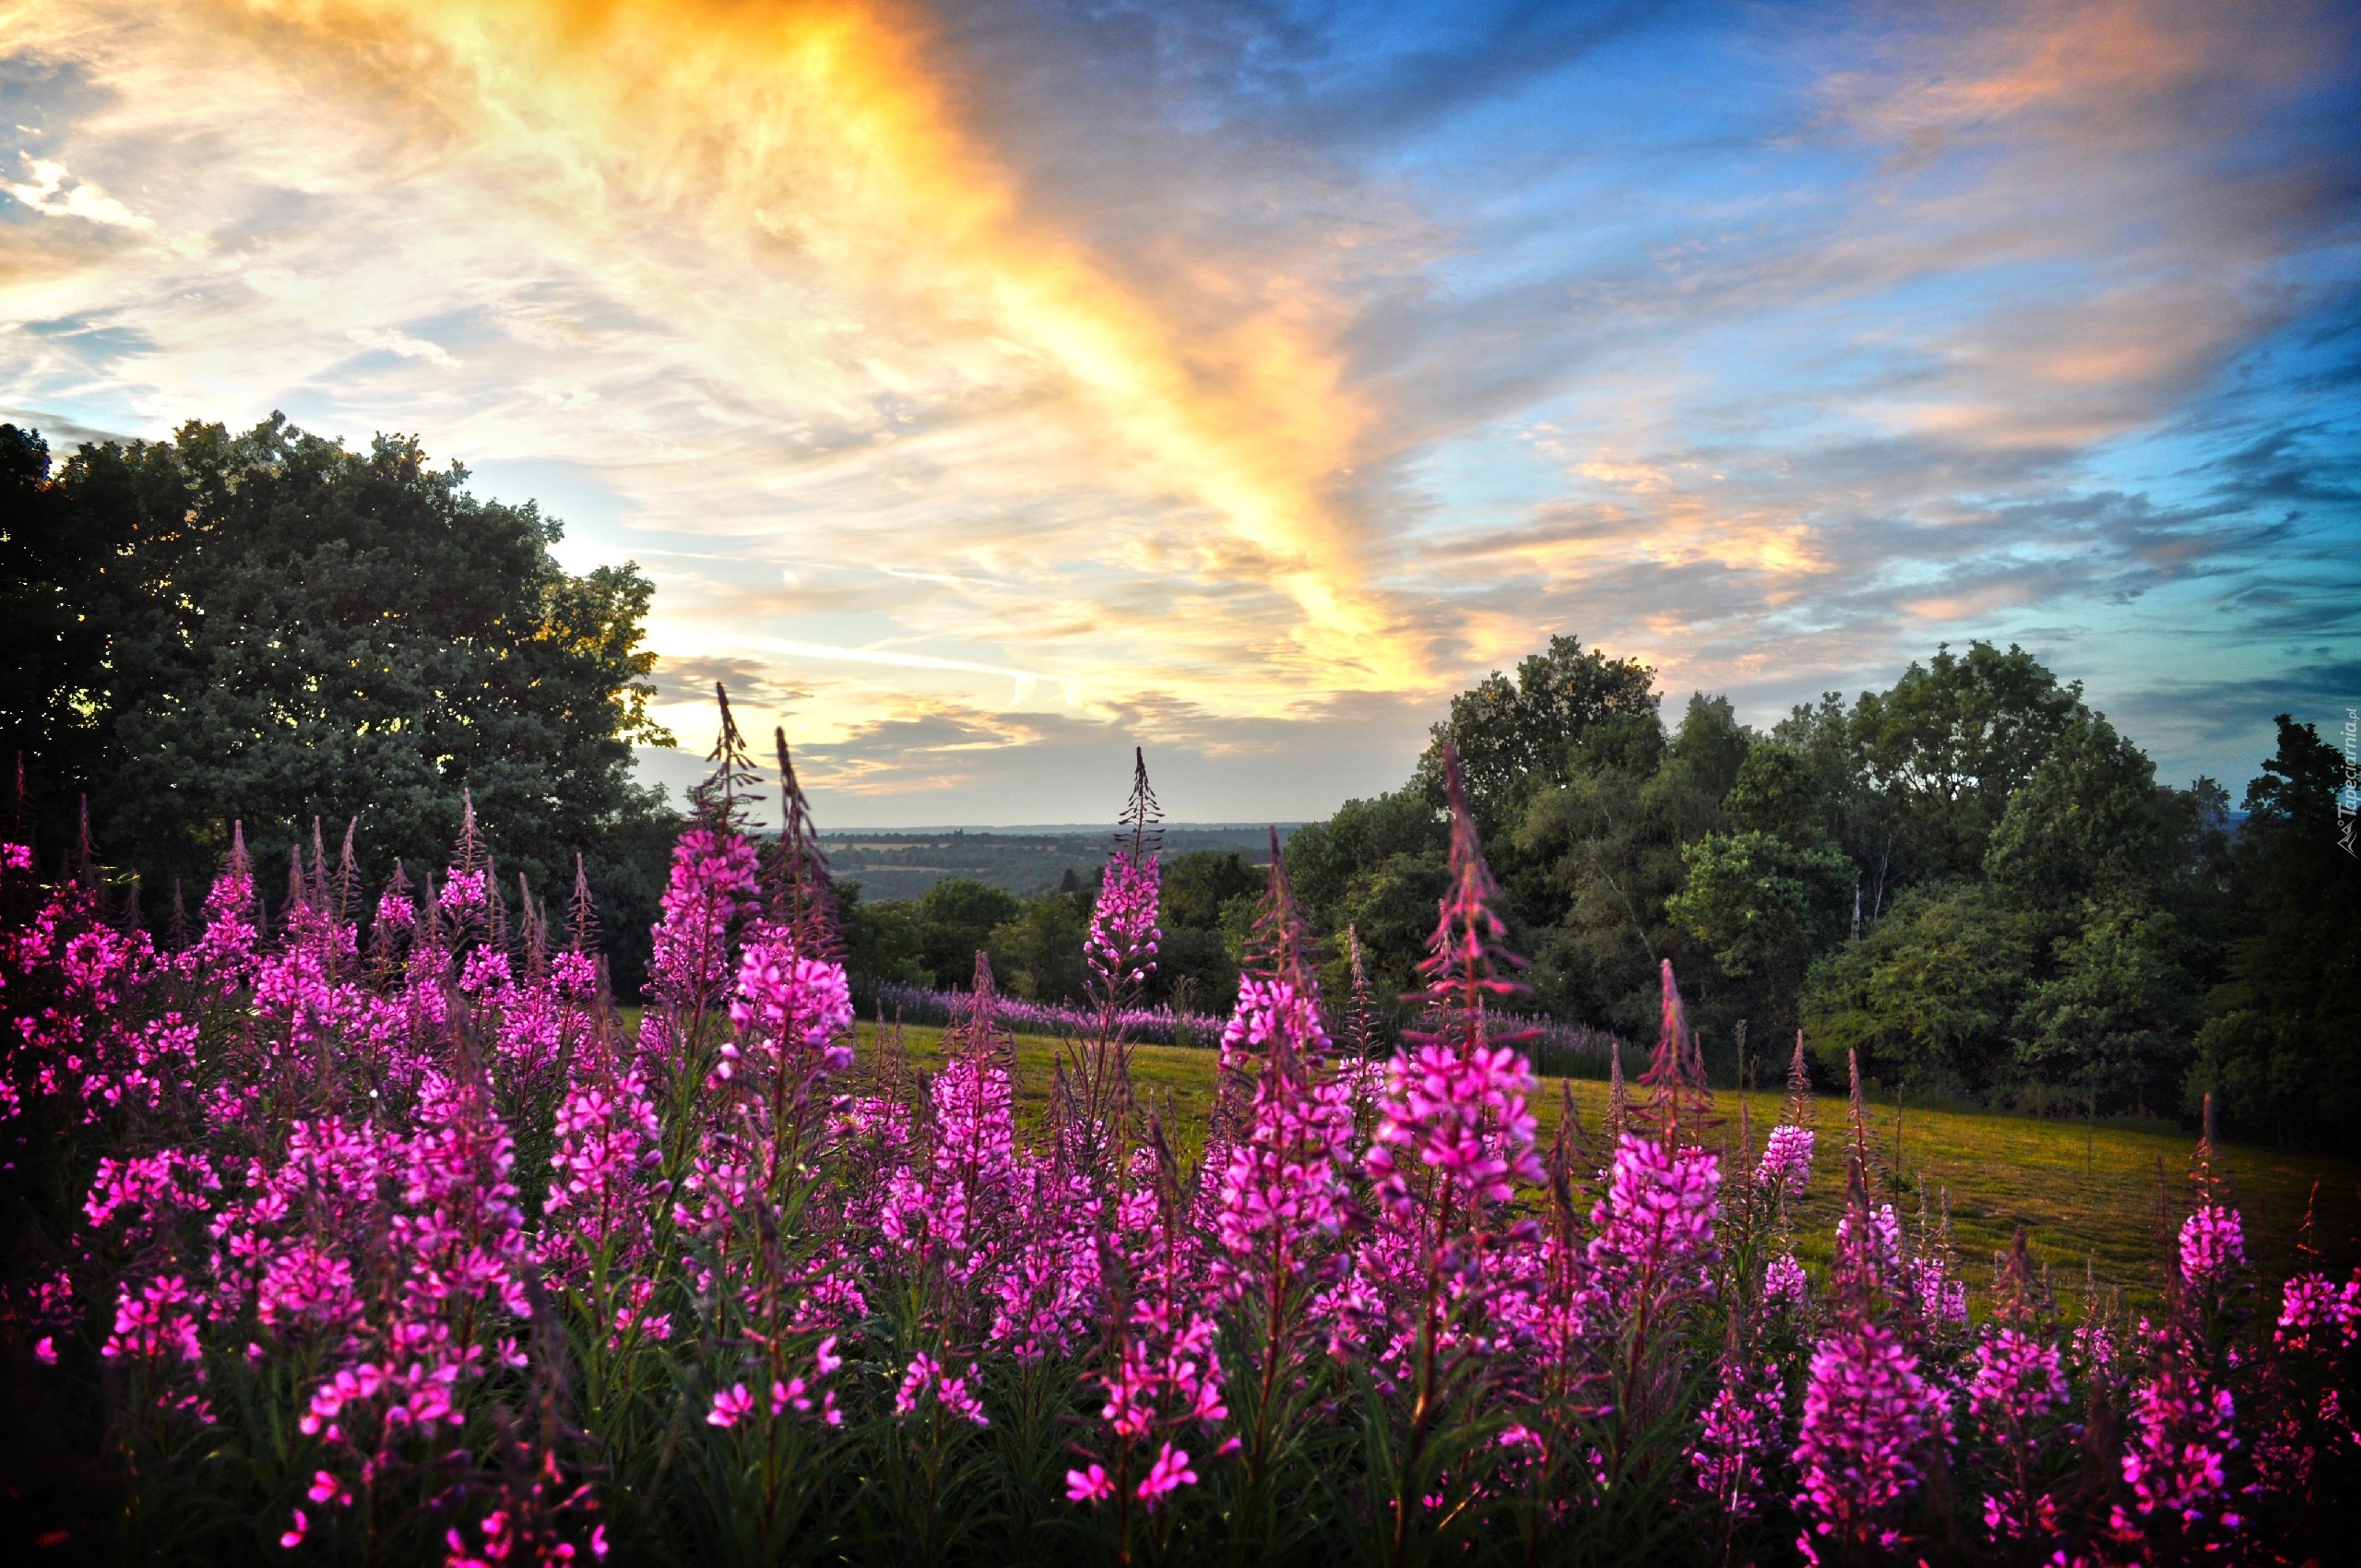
x: 905, y: 864
x: 2080, y: 1195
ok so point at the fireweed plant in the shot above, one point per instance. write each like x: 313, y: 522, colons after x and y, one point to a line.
x: 367, y: 1233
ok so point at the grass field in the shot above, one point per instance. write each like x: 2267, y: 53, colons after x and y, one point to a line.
x: 2087, y: 1197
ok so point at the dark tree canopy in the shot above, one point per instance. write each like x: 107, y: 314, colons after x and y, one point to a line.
x: 1949, y: 744
x: 1511, y: 735
x: 269, y: 627
x: 2279, y: 1046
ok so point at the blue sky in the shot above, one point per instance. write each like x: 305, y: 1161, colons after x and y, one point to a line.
x: 990, y: 388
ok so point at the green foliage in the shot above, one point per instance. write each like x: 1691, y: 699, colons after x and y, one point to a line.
x: 1377, y: 865
x: 1971, y: 879
x: 1763, y: 905
x: 1038, y: 951
x: 1928, y: 996
x: 1595, y: 861
x: 882, y: 939
x: 1209, y: 901
x: 2087, y: 822
x: 955, y: 921
x: 1513, y: 737
x: 272, y: 628
x: 1949, y: 745
x: 2114, y: 1020
x: 2277, y: 1044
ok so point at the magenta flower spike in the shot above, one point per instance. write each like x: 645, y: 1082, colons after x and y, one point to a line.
x: 1676, y: 1076
x: 1868, y: 1423
x: 1786, y: 1160
x: 1122, y: 942
x: 2212, y: 1247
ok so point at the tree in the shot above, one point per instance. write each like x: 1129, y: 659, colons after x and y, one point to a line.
x: 1513, y: 737
x: 1927, y: 997
x: 2277, y: 1044
x: 1209, y: 901
x: 1765, y: 906
x: 882, y: 940
x: 1595, y: 861
x: 270, y: 628
x: 51, y: 638
x: 1949, y: 745
x: 1379, y: 863
x: 2089, y: 823
x: 955, y: 920
x: 2113, y: 1022
x: 1038, y: 951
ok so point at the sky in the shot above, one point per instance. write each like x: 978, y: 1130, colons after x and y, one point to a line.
x: 990, y: 388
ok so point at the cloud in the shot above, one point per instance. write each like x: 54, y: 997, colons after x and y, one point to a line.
x: 55, y: 193
x: 688, y: 682
x: 979, y: 382
x: 402, y: 343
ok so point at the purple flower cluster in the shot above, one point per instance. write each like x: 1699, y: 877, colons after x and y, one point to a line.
x: 1122, y: 942
x: 1869, y: 1423
x: 1786, y: 1160
x: 2213, y: 1245
x: 295, y: 1231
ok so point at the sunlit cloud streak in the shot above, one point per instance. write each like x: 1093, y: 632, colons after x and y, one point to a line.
x: 1170, y: 373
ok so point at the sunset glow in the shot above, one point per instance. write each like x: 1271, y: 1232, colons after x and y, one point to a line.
x: 990, y: 388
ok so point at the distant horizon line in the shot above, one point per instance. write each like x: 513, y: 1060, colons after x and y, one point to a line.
x: 1060, y: 829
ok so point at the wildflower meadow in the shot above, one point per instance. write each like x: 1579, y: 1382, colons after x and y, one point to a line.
x: 371, y: 1234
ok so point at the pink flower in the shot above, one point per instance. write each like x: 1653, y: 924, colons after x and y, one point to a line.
x: 2175, y: 1458
x: 46, y: 1351
x: 1282, y: 1195
x: 926, y: 1375
x: 1089, y: 1486
x: 396, y: 912
x: 729, y: 1406
x: 1785, y: 1286
x: 463, y: 896
x: 1738, y: 1430
x: 1881, y: 1253
x: 1786, y: 1160
x: 712, y: 887
x: 804, y: 1001
x: 575, y: 975
x: 485, y: 972
x: 1122, y: 942
x: 2213, y: 1244
x: 2018, y: 1379
x: 1169, y: 1474
x: 2315, y: 1313
x: 1657, y: 1218
x: 294, y: 1537
x: 1868, y: 1417
x: 1463, y: 1116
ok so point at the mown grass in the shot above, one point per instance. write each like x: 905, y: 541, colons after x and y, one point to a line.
x: 2102, y: 1202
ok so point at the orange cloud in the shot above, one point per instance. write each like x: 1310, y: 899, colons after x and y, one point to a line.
x: 824, y: 135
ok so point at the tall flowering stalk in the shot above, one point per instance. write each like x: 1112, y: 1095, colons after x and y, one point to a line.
x: 1653, y: 1240
x: 803, y: 893
x: 712, y: 891
x: 1161, y: 1366
x: 1282, y: 1199
x: 1120, y: 948
x: 1455, y: 1140
x: 1870, y: 1420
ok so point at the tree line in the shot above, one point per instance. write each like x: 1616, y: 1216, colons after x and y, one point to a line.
x: 1970, y: 879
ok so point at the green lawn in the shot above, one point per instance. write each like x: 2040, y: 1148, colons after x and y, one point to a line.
x: 2083, y: 1196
